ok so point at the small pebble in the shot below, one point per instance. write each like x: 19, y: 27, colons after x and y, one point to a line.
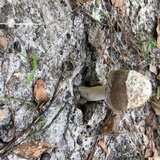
x: 45, y: 156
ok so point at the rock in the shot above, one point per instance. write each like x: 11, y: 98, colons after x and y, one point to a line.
x: 4, y: 115
x: 45, y: 156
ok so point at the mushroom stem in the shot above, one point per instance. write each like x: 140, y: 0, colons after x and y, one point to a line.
x: 93, y: 93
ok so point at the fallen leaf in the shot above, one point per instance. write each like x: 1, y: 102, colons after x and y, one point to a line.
x: 148, y: 131
x: 158, y: 38
x: 158, y: 42
x: 153, y: 68
x: 145, y: 139
x: 32, y: 150
x: 3, y: 42
x: 158, y: 93
x: 108, y: 123
x: 40, y: 93
x: 117, y: 120
x: 102, y: 144
x: 156, y: 107
x: 154, y: 150
x: 147, y: 153
x: 118, y: 3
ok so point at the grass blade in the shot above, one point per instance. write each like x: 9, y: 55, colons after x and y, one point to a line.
x: 19, y: 100
x: 34, y: 61
x: 30, y: 77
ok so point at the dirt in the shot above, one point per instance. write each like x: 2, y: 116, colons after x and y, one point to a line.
x: 76, y: 44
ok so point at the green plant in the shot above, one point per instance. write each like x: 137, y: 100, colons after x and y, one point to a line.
x: 42, y: 122
x: 139, y: 37
x: 150, y: 44
x: 147, y: 59
x: 18, y: 100
x: 34, y: 67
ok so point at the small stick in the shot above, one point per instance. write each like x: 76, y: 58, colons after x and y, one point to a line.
x: 11, y: 108
x: 93, y: 150
x: 3, y: 150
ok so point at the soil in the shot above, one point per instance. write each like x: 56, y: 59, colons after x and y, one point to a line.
x: 76, y: 44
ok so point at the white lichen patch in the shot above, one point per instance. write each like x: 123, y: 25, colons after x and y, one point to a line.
x: 4, y: 115
x: 138, y: 89
x: 141, y: 14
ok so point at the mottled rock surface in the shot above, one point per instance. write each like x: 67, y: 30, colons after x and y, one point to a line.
x: 68, y: 44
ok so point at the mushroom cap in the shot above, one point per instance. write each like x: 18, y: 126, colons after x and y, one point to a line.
x: 127, y: 89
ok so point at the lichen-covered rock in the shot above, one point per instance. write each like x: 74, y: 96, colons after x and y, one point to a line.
x: 5, y: 115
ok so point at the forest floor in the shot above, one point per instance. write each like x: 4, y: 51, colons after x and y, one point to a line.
x: 66, y: 44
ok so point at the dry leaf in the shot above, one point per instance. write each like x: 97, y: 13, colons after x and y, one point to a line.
x: 158, y: 93
x: 147, y: 153
x: 156, y: 107
x: 118, y: 3
x: 117, y: 120
x: 158, y: 38
x: 155, y: 152
x: 40, y: 93
x: 102, y: 144
x: 153, y: 68
x: 3, y: 42
x: 158, y: 42
x: 107, y: 126
x: 32, y: 150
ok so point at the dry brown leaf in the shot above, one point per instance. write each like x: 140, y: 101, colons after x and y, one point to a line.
x: 117, y: 120
x: 156, y: 107
x: 84, y: 1
x: 158, y: 29
x: 32, y: 150
x: 118, y: 3
x: 153, y: 68
x: 102, y: 144
x: 158, y: 38
x: 3, y: 42
x: 158, y: 93
x: 155, y: 152
x: 107, y: 127
x: 40, y: 93
x: 147, y: 153
x: 148, y: 131
x: 158, y: 42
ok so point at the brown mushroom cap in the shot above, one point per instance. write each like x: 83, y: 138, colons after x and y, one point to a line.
x: 127, y: 89
x: 116, y: 91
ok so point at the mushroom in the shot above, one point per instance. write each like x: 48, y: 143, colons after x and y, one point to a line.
x: 124, y: 90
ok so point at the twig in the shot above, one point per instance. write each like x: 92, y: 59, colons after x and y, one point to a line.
x: 3, y: 150
x: 11, y: 108
x: 107, y: 118
x: 89, y: 15
x: 93, y: 150
x: 55, y: 94
x: 101, y: 52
